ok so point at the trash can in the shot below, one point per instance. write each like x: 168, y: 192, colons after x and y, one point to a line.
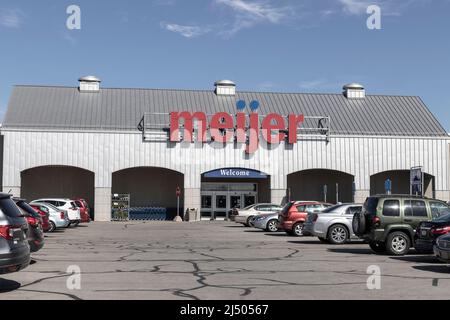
x: 192, y: 214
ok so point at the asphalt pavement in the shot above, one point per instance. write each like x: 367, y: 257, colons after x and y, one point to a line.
x: 215, y: 260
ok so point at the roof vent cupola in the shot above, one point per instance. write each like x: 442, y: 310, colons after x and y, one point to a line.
x: 225, y: 88
x: 354, y: 91
x: 89, y: 84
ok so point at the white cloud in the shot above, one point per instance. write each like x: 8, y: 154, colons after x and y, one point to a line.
x: 250, y: 13
x: 389, y: 7
x: 244, y: 14
x: 257, y: 10
x: 164, y: 2
x: 11, y: 18
x: 186, y: 31
x: 268, y: 85
x: 68, y: 36
x: 355, y: 6
x: 316, y: 84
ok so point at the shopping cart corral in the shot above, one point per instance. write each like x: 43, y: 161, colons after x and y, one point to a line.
x: 122, y: 211
x: 148, y: 213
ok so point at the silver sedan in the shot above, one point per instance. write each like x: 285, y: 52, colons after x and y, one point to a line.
x: 334, y: 224
x: 267, y: 222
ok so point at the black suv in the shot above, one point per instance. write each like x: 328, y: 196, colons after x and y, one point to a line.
x: 389, y: 222
x: 429, y: 231
x: 14, y: 248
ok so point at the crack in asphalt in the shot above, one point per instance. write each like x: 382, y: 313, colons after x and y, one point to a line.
x: 200, y: 269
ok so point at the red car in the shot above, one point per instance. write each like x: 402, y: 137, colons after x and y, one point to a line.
x: 43, y: 212
x: 295, y: 213
x: 85, y: 212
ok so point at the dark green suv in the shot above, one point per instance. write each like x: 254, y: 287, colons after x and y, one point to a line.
x: 388, y: 222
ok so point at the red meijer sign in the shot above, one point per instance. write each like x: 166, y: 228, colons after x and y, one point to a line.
x: 222, y: 123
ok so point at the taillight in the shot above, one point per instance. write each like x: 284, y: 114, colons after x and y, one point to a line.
x: 62, y: 215
x: 440, y: 231
x: 315, y: 217
x: 7, y: 232
x: 376, y: 221
x: 32, y: 221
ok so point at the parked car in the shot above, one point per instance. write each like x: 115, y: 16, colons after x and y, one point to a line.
x: 333, y: 224
x: 14, y: 248
x: 246, y: 215
x: 428, y: 231
x: 43, y: 212
x: 67, y: 205
x: 293, y: 216
x: 389, y: 222
x: 442, y: 248
x: 58, y: 218
x: 84, y: 210
x: 35, y: 232
x: 268, y: 222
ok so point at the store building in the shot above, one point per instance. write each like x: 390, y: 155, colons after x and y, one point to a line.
x: 219, y: 147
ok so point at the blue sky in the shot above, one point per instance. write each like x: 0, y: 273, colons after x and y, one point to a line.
x: 263, y: 45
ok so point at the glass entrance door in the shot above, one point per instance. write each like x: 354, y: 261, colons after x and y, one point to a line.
x: 236, y: 202
x: 220, y: 206
x: 217, y: 200
x: 249, y: 199
x: 207, y: 205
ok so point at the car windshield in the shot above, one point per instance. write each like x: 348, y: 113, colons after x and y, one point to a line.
x: 332, y: 209
x: 443, y: 218
x: 26, y: 207
x: 370, y: 206
x: 286, y: 208
x: 48, y: 205
x: 9, y: 208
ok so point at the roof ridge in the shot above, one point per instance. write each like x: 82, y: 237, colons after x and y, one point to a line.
x: 212, y: 91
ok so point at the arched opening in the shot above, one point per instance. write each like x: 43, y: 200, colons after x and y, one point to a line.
x: 400, y: 183
x: 228, y: 188
x: 321, y: 185
x: 150, y: 189
x: 59, y: 182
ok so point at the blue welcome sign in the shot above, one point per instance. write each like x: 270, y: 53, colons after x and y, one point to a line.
x: 235, y: 173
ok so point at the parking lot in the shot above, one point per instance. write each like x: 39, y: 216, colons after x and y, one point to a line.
x: 220, y: 260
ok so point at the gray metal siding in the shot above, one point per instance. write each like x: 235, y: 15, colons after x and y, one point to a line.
x: 104, y: 153
x: 122, y: 109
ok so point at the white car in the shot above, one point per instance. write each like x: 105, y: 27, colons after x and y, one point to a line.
x: 58, y: 218
x: 245, y: 215
x: 65, y: 204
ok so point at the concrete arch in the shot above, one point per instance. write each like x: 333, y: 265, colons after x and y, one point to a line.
x: 400, y: 182
x: 310, y: 185
x: 150, y: 187
x: 58, y: 182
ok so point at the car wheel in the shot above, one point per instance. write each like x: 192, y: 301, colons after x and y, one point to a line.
x: 75, y: 224
x: 338, y: 234
x: 272, y: 226
x: 398, y: 243
x: 298, y: 229
x: 52, y: 226
x: 377, y: 247
x: 249, y: 220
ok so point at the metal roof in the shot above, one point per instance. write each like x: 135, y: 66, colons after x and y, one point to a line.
x: 38, y: 107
